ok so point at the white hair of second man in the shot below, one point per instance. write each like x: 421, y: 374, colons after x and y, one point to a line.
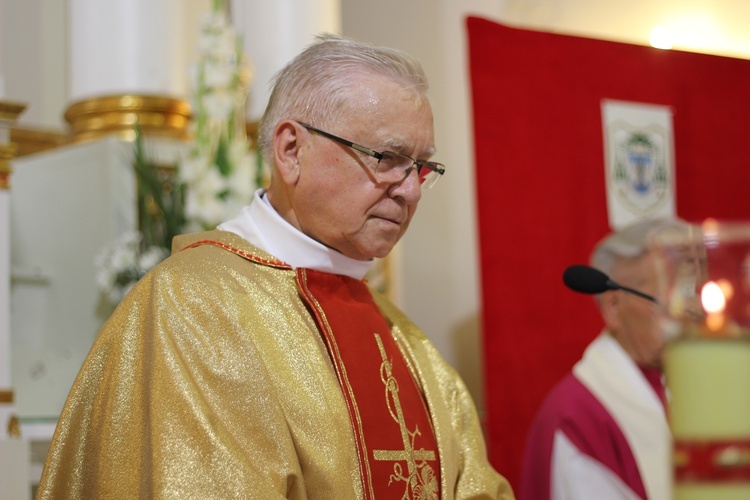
x: 630, y: 242
x: 314, y: 86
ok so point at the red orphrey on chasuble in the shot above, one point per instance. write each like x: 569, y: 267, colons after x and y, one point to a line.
x: 392, y: 427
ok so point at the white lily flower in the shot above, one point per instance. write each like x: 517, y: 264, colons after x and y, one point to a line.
x: 219, y: 104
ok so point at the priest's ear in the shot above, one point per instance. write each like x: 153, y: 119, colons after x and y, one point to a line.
x: 286, y: 150
x: 609, y: 304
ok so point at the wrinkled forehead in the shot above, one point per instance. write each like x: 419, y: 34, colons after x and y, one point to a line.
x: 386, y: 113
x: 368, y: 91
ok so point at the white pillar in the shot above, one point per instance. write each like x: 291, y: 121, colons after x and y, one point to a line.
x: 14, y: 452
x: 5, y: 345
x: 9, y: 113
x: 129, y: 46
x: 274, y: 32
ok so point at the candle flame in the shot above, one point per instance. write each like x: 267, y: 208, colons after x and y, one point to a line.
x: 713, y: 298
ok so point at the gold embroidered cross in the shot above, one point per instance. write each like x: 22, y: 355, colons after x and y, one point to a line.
x: 411, y: 456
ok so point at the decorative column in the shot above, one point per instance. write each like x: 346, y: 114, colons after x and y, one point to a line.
x: 275, y: 32
x: 128, y: 66
x: 14, y: 451
x: 9, y: 427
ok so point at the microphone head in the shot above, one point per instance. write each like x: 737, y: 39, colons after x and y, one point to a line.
x: 586, y: 279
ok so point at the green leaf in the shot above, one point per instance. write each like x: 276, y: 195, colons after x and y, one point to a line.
x: 160, y: 198
x: 222, y: 157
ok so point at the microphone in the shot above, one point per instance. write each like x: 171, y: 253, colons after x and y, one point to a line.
x: 586, y: 279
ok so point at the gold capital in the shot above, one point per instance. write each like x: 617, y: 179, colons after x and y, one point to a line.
x: 10, y: 111
x: 120, y: 114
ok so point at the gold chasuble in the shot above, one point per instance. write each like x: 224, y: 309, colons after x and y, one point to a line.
x: 395, y: 442
x: 227, y: 374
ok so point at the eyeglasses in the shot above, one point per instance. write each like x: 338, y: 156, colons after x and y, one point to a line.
x: 392, y: 167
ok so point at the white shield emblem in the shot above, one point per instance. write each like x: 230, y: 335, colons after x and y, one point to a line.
x: 638, y: 161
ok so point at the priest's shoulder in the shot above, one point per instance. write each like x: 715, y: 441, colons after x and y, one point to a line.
x: 226, y: 241
x: 570, y: 402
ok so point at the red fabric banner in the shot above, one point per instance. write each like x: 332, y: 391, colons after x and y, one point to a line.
x: 541, y: 190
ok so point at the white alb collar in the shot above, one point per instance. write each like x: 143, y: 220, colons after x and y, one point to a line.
x: 263, y: 227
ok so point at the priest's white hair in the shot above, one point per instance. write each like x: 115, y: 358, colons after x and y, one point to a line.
x: 314, y: 86
x: 630, y: 241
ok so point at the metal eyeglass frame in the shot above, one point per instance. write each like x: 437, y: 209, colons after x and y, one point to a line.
x: 427, y: 181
